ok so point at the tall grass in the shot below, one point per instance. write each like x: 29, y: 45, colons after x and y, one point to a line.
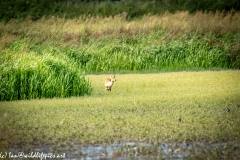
x: 47, y: 58
x: 70, y: 9
x: 171, y: 56
x: 26, y: 75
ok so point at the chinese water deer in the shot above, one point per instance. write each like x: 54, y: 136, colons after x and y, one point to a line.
x: 109, y: 82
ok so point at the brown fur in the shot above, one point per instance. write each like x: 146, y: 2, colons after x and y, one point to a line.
x: 109, y: 82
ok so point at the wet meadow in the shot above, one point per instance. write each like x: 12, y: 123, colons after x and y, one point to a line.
x: 178, y: 85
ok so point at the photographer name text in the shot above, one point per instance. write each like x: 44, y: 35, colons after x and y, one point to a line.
x: 23, y: 155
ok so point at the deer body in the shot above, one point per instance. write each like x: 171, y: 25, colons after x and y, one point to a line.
x: 109, y: 82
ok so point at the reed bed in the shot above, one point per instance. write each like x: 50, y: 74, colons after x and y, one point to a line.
x: 180, y: 22
x: 123, y: 57
x: 26, y: 75
x: 48, y: 57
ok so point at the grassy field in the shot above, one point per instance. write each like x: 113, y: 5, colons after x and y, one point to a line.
x: 48, y: 57
x: 55, y: 58
x: 141, y: 107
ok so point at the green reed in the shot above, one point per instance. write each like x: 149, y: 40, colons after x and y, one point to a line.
x: 175, y: 55
x: 35, y: 68
x: 26, y: 74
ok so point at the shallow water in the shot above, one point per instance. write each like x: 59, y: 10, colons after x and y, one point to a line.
x: 125, y: 150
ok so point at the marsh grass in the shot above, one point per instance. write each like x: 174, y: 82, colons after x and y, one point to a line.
x: 27, y: 75
x: 133, y: 9
x: 141, y: 107
x: 68, y: 48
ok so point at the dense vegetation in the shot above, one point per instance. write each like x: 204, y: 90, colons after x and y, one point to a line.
x: 54, y: 48
x: 27, y: 75
x: 134, y: 8
x: 47, y: 54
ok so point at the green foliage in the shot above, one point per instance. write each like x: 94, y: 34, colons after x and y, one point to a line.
x: 132, y: 56
x: 134, y: 9
x: 25, y: 74
x: 48, y: 59
x: 39, y: 70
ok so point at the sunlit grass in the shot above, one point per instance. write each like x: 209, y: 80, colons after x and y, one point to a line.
x: 97, y: 26
x: 141, y: 107
x: 78, y: 31
x: 36, y: 52
x: 26, y: 74
x: 45, y: 58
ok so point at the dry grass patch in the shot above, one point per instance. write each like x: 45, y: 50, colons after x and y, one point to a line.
x: 177, y: 24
